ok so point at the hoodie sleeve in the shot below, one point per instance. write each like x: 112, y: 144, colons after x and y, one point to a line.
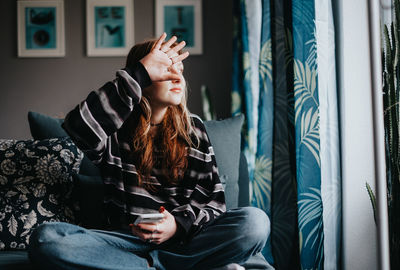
x: 104, y: 110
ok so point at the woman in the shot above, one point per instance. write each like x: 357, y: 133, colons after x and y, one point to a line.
x: 154, y: 157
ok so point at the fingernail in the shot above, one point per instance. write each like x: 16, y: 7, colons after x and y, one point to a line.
x: 162, y: 209
x: 131, y: 225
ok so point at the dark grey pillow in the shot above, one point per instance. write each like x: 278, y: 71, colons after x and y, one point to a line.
x: 46, y: 127
x: 225, y: 139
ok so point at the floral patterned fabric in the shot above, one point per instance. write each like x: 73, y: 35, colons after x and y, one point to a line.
x: 35, y: 186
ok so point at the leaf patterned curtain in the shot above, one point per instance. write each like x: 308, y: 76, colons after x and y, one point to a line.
x: 284, y: 82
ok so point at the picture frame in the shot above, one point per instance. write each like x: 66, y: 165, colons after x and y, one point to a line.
x: 182, y: 18
x: 41, y: 28
x: 109, y: 27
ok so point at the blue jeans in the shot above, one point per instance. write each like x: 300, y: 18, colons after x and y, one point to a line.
x: 233, y: 237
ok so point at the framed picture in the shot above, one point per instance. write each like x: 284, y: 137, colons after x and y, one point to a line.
x: 41, y: 28
x: 182, y: 18
x: 109, y: 27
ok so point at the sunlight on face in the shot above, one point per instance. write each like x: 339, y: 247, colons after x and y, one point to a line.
x: 167, y: 93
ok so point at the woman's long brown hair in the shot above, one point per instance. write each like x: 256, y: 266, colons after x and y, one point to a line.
x: 172, y: 140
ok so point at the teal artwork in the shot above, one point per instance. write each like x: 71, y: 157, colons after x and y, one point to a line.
x: 109, y: 26
x: 179, y: 21
x: 40, y: 28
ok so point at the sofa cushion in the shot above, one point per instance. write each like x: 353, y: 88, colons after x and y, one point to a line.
x: 35, y: 186
x: 45, y: 127
x: 225, y: 139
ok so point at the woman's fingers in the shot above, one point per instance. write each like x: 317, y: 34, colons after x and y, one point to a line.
x: 180, y: 57
x: 136, y: 231
x: 160, y: 40
x: 166, y: 46
x: 146, y: 235
x: 151, y: 227
x: 159, y: 61
x: 176, y: 49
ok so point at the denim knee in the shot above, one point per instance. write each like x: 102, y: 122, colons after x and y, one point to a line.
x: 48, y: 232
x: 44, y: 234
x: 255, y: 226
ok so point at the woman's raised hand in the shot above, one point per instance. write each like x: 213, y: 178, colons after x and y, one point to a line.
x: 161, y: 57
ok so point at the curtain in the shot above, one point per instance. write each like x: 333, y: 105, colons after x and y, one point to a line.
x: 284, y: 82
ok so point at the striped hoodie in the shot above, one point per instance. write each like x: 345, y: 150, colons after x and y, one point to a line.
x: 98, y: 126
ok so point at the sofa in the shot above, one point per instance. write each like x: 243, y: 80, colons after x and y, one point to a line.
x: 46, y: 179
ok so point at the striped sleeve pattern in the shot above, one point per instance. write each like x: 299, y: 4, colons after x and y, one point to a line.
x: 206, y: 198
x: 103, y: 112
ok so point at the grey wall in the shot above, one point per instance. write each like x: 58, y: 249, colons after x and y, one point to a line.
x: 53, y: 86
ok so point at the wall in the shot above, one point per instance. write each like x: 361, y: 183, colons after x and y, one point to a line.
x: 53, y: 86
x: 359, y: 231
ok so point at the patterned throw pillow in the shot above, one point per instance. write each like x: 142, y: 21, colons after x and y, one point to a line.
x: 35, y: 186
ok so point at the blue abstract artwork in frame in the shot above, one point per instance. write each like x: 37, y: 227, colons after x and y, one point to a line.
x: 40, y: 28
x: 179, y: 22
x: 110, y: 26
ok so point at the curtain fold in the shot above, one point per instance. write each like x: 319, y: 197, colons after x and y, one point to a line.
x: 329, y: 130
x: 284, y: 82
x: 307, y: 136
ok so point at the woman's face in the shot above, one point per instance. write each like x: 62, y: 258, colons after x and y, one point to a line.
x: 167, y: 93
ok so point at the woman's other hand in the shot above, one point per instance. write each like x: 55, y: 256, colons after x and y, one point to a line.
x: 156, y: 233
x: 162, y: 57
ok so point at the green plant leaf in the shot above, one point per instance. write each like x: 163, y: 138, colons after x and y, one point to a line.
x: 372, y: 198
